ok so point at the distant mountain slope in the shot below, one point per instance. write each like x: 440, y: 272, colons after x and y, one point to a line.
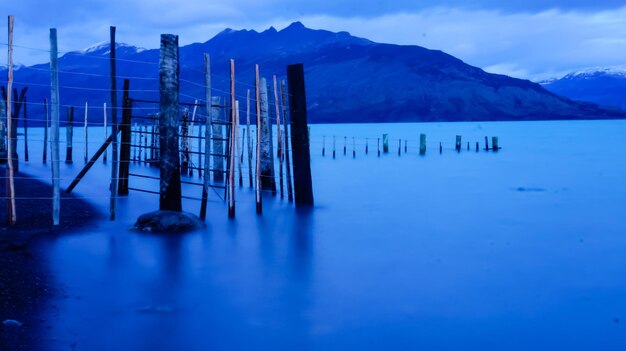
x: 603, y: 86
x: 348, y: 79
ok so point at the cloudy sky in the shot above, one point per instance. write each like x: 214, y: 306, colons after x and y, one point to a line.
x: 532, y: 39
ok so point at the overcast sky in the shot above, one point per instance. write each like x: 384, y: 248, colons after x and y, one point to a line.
x: 530, y: 39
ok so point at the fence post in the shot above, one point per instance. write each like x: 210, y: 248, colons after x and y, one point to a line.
x: 125, y: 139
x: 385, y: 143
x: 25, y: 131
x: 11, y: 185
x: 104, y: 112
x: 257, y: 89
x: 267, y: 151
x: 45, y: 130
x: 494, y: 143
x: 234, y: 106
x: 170, y: 191
x: 218, y: 143
x: 486, y: 144
x: 457, y: 144
x: 69, y: 132
x: 249, y: 143
x: 86, y: 132
x: 283, y: 93
x: 54, y: 137
x: 422, y: 144
x: 207, y: 135
x: 303, y: 183
x: 280, y: 139
x: 114, y: 156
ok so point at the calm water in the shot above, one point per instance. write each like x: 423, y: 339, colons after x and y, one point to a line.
x: 524, y: 249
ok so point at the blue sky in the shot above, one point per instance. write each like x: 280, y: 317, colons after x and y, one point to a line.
x: 530, y: 39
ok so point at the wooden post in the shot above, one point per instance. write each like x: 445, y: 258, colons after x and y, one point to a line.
x: 468, y: 146
x: 3, y: 130
x: 104, y: 111
x: 283, y: 94
x: 378, y: 146
x: 385, y: 143
x: 207, y: 135
x: 190, y: 140
x: 218, y: 146
x: 399, y: 147
x: 234, y: 106
x: 457, y: 144
x: 494, y: 143
x: 486, y: 144
x: 25, y: 131
x: 257, y: 88
x: 405, y: 145
x: 86, y: 132
x: 125, y: 141
x: 45, y: 130
x: 134, y: 139
x: 69, y: 134
x: 323, y: 145
x: 440, y: 148
x: 422, y: 144
x: 367, y: 144
x: 353, y: 148
x: 345, y: 141
x: 54, y: 137
x: 115, y: 165
x: 18, y: 101
x: 238, y: 146
x: 268, y: 181
x: 145, y: 143
x: 12, y: 216
x: 199, y: 138
x: 303, y: 183
x: 169, y: 69
x: 477, y: 146
x: 184, y: 130
x: 334, y: 146
x: 280, y: 139
x: 250, y: 172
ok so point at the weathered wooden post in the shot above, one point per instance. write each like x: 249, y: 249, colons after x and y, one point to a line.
x: 477, y: 146
x: 12, y: 216
x: 207, y: 135
x: 440, y: 148
x: 170, y: 190
x: 345, y: 141
x: 184, y: 130
x: 367, y: 145
x: 45, y: 130
x: 468, y: 146
x: 378, y: 146
x: 125, y: 139
x: 422, y: 144
x: 218, y: 141
x: 104, y: 114
x: 234, y: 106
x: 69, y: 134
x: 190, y: 137
x: 86, y: 132
x: 238, y: 145
x: 494, y: 143
x: 323, y: 145
x: 114, y: 156
x: 353, y: 148
x: 283, y: 93
x: 303, y: 183
x: 486, y: 144
x: 385, y: 143
x: 457, y: 144
x: 257, y: 95
x: 3, y: 130
x: 399, y: 147
x: 268, y: 181
x: 280, y: 139
x: 249, y: 142
x: 25, y: 131
x: 54, y: 137
x: 405, y: 146
x: 334, y: 146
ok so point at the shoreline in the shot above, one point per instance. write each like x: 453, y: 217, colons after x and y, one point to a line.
x: 25, y: 282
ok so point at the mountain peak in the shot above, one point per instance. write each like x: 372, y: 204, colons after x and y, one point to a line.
x: 295, y: 26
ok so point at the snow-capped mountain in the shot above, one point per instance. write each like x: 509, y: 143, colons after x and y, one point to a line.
x: 604, y: 86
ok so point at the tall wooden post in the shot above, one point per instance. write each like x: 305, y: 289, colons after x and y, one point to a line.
x: 218, y: 142
x: 280, y: 139
x: 457, y: 144
x: 422, y: 144
x: 12, y: 216
x: 234, y: 106
x: 114, y: 156
x: 303, y: 183
x: 86, y: 132
x: 207, y: 135
x: 104, y: 111
x: 3, y: 130
x: 169, y: 70
x: 25, y: 130
x: 283, y: 93
x: 125, y: 141
x: 238, y: 144
x: 54, y: 137
x: 249, y: 143
x: 45, y: 130
x: 257, y: 89
x: 267, y: 151
x: 69, y: 134
x: 486, y: 144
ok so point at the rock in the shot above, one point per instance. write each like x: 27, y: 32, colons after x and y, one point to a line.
x: 167, y: 222
x: 11, y: 323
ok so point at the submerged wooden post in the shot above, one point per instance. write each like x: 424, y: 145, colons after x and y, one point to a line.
x: 405, y: 145
x: 267, y: 153
x: 440, y: 148
x: 323, y: 145
x: 45, y: 130
x: 248, y: 138
x: 399, y: 147
x: 283, y: 93
x: 54, y: 137
x: 468, y: 146
x: 494, y: 143
x: 25, y: 130
x: 207, y: 135
x: 477, y: 146
x: 12, y: 216
x: 353, y: 148
x: 457, y: 144
x: 422, y: 144
x: 86, y: 132
x: 104, y: 114
x: 366, y: 146
x: 345, y: 141
x: 486, y: 143
x: 334, y: 146
x: 378, y: 146
x: 114, y: 156
x: 385, y: 143
x: 303, y: 183
x: 169, y: 69
x: 125, y: 139
x: 234, y: 106
x: 69, y: 132
x: 257, y: 94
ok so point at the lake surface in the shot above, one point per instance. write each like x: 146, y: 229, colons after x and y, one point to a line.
x: 523, y: 249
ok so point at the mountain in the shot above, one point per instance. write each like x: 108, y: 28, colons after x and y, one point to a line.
x: 602, y: 86
x: 348, y: 79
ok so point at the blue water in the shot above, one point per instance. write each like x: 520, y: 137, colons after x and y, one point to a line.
x: 523, y: 249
